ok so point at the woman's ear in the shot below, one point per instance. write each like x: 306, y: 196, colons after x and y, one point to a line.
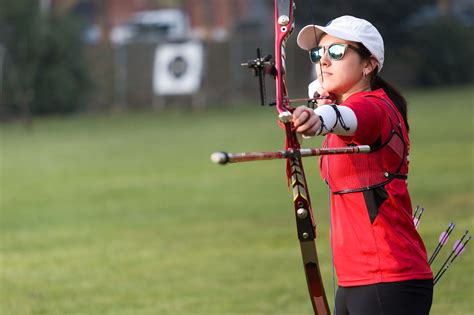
x: 370, y: 66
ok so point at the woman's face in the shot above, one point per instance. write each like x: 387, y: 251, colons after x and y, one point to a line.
x: 345, y: 76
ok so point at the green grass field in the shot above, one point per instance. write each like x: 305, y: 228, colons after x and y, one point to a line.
x: 125, y: 213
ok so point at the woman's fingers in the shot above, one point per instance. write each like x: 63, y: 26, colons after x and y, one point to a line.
x: 323, y: 101
x: 310, y: 126
x: 324, y: 97
x: 306, y: 121
x: 300, y: 115
x: 322, y: 93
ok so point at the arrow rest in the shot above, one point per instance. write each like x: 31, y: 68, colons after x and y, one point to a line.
x: 262, y: 66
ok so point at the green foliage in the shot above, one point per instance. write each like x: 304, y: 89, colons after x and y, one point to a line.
x: 442, y: 52
x: 61, y: 80
x: 45, y: 68
x: 126, y: 215
x: 385, y: 15
x: 423, y: 46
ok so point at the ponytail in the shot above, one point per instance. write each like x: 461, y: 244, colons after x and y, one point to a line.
x: 395, y: 96
x: 376, y: 82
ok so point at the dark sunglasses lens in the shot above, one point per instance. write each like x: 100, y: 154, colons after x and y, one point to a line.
x: 336, y: 52
x: 316, y: 53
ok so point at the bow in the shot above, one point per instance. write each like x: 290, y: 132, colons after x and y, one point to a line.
x: 306, y: 227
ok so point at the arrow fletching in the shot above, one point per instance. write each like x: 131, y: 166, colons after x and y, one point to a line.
x: 442, y: 240
x: 458, y: 248
x: 417, y: 218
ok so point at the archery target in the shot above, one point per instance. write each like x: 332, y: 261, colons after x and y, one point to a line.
x: 178, y: 68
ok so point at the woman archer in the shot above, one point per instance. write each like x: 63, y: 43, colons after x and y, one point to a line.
x: 380, y: 259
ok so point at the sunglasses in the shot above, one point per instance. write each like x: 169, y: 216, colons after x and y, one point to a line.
x: 335, y: 51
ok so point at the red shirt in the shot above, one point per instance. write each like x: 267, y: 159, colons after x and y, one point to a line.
x: 386, y: 247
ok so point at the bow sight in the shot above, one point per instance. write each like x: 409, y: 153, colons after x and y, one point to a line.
x: 262, y: 66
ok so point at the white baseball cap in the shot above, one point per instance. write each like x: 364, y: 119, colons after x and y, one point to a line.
x: 348, y: 28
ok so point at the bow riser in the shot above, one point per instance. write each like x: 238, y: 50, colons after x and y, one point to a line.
x: 306, y: 228
x: 284, y: 25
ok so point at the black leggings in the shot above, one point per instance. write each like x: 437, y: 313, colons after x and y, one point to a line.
x: 411, y: 297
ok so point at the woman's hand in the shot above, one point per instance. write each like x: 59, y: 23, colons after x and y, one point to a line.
x: 316, y: 90
x: 306, y: 121
x: 323, y: 97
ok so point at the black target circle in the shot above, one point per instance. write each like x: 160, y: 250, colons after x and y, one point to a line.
x: 178, y: 66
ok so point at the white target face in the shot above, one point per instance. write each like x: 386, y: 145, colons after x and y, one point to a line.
x: 178, y: 68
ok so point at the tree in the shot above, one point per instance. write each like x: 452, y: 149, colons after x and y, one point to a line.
x: 45, y: 70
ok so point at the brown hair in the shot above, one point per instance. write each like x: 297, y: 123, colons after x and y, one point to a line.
x: 395, y: 96
x: 376, y: 82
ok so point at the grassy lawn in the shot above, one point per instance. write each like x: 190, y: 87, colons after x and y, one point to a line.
x: 125, y: 213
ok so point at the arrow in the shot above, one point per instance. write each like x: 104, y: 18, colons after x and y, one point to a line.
x: 458, y: 249
x: 416, y: 220
x: 443, y: 239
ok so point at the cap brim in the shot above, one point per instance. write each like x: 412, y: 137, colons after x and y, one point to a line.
x: 310, y: 35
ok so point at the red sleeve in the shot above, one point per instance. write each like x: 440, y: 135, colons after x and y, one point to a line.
x: 370, y: 120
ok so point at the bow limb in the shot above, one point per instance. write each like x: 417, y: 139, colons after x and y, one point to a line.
x: 306, y: 227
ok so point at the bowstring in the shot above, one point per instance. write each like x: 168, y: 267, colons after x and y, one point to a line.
x: 316, y: 40
x: 320, y: 77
